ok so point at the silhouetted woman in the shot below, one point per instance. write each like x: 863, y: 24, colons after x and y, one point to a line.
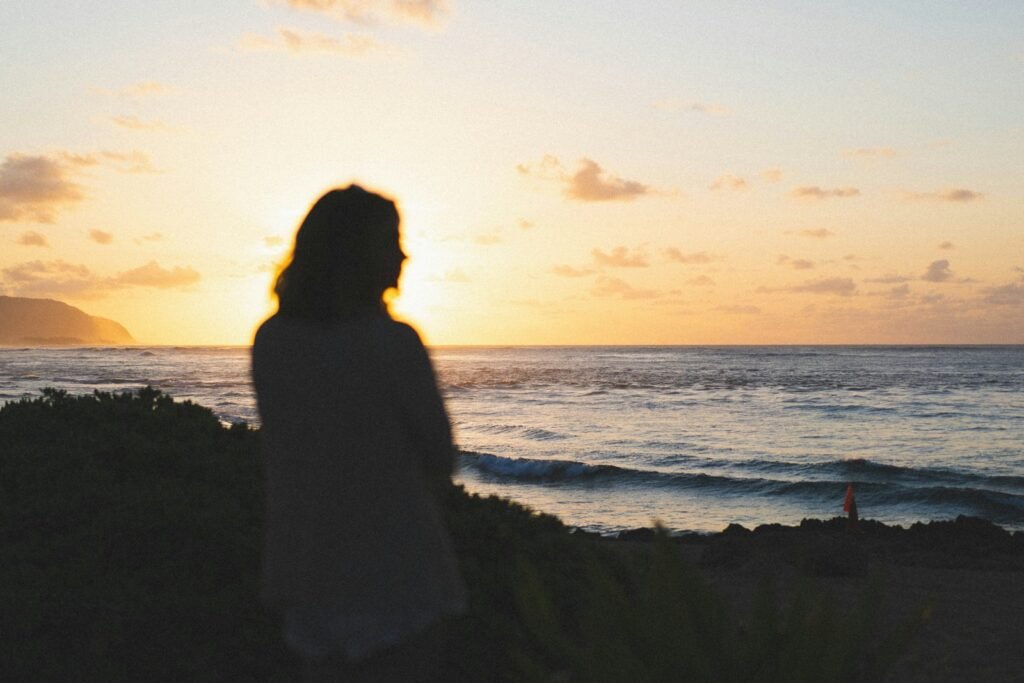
x: 357, y: 448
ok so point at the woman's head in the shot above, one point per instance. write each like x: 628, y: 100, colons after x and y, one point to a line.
x: 346, y: 255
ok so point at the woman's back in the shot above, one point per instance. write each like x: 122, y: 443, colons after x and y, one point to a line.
x: 354, y: 439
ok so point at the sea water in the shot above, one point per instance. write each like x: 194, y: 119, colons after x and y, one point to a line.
x: 609, y: 438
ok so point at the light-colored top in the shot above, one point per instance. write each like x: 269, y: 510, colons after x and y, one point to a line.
x: 356, y: 445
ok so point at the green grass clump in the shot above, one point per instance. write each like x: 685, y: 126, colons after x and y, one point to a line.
x: 130, y: 537
x: 662, y: 621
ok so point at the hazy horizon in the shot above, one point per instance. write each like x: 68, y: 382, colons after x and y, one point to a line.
x: 583, y: 175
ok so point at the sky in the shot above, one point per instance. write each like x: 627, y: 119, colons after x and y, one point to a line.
x: 648, y: 172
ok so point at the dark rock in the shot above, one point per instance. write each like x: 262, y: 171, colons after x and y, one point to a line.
x: 644, y: 535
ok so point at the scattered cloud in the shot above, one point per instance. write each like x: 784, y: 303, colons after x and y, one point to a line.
x: 955, y: 195
x: 899, y: 291
x: 589, y: 184
x: 151, y: 237
x: 870, y: 153
x: 947, y: 245
x: 842, y: 286
x: 1005, y: 295
x: 772, y: 175
x: 701, y: 281
x: 592, y: 184
x: 125, y: 162
x: 675, y: 254
x: 938, y: 271
x: 487, y: 239
x: 297, y: 41
x: 889, y: 279
x: 815, y: 192
x: 372, y: 12
x: 569, y: 271
x: 795, y: 264
x: 139, y: 90
x: 153, y: 275
x: 49, y: 278
x: 729, y: 182
x: 453, y: 276
x: 691, y: 106
x: 59, y: 278
x: 33, y: 239
x: 101, y: 237
x: 613, y: 286
x: 525, y: 224
x: 36, y: 188
x: 135, y: 123
x: 273, y: 240
x: 739, y: 310
x: 817, y: 233
x: 621, y: 257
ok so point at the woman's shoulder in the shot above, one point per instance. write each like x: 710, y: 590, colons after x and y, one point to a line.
x: 278, y: 327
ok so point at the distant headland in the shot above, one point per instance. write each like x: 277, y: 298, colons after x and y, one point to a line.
x: 45, y: 322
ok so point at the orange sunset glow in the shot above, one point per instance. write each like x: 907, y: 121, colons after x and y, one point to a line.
x: 568, y: 173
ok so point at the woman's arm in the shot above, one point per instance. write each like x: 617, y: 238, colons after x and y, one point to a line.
x: 421, y: 408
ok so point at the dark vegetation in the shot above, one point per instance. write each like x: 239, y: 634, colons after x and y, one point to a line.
x: 130, y: 542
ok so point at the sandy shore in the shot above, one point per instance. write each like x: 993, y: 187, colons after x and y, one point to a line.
x: 967, y: 575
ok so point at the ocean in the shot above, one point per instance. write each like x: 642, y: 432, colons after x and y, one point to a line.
x: 611, y: 438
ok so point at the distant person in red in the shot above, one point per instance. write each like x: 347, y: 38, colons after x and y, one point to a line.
x: 357, y: 449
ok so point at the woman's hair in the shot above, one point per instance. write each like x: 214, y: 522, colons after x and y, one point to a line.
x: 340, y: 263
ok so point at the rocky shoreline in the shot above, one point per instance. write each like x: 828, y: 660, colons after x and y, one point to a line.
x: 828, y: 548
x: 966, y: 576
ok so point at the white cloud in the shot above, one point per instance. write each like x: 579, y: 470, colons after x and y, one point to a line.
x: 101, y: 237
x: 795, y: 264
x: 135, y: 123
x: 139, y: 90
x: 870, y: 153
x: 817, y: 233
x: 153, y: 275
x: 59, y: 278
x: 33, y: 239
x: 677, y: 255
x: 621, y: 257
x: 842, y: 286
x: 815, y: 192
x: 692, y: 106
x: 1005, y: 295
x: 425, y: 12
x: 592, y: 184
x: 615, y: 287
x: 729, y: 182
x: 954, y: 195
x: 938, y: 271
x: 589, y: 184
x: 889, y: 279
x: 453, y: 276
x: 297, y: 41
x: 36, y: 188
x: 487, y: 239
